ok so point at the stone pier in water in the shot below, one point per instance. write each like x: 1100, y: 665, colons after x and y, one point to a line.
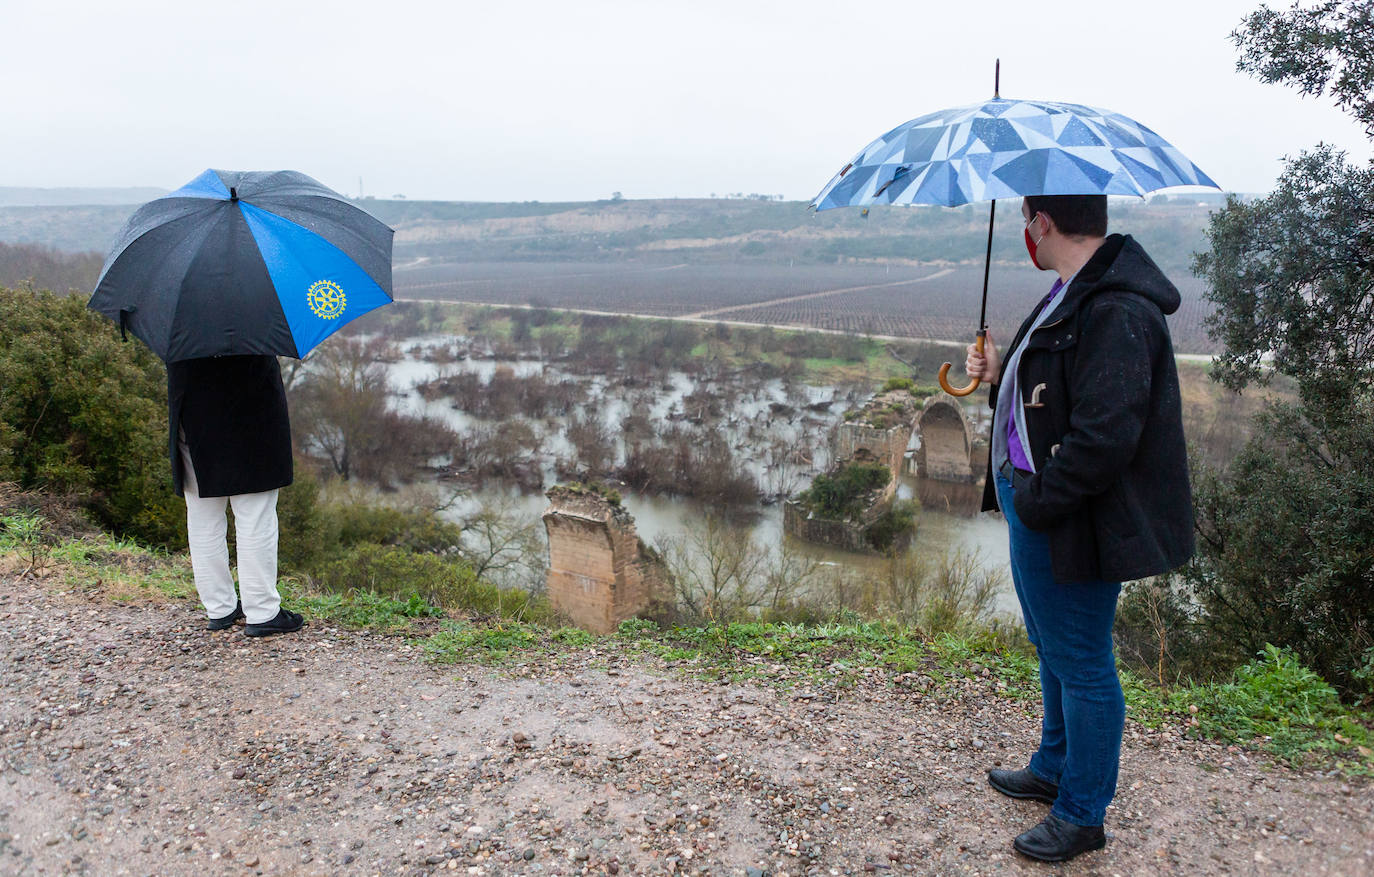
x: 600, y: 571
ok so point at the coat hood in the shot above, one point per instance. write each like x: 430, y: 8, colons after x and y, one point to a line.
x: 1122, y: 265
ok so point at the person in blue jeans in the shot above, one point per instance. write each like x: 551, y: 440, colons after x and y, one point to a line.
x: 1089, y: 466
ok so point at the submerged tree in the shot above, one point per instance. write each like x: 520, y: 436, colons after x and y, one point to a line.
x: 341, y: 412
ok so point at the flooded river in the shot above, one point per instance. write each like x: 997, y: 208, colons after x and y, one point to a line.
x: 942, y: 526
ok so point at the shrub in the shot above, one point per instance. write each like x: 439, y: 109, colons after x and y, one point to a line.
x: 1276, y: 698
x: 1285, y: 530
x: 399, y: 572
x: 839, y: 495
x: 82, y: 412
x: 305, y: 536
x: 1284, y: 536
x: 882, y: 534
x: 1157, y: 632
x: 419, y: 530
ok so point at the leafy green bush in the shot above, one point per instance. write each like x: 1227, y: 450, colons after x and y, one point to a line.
x: 449, y: 583
x: 81, y: 412
x: 1284, y: 535
x: 306, y: 537
x: 898, y: 384
x: 838, y: 496
x: 419, y: 530
x: 1277, y: 700
x: 894, y: 522
x: 1284, y: 530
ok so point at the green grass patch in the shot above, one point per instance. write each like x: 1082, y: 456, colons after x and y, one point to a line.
x: 123, y: 569
x: 827, y: 652
x: 458, y: 641
x: 23, y: 533
x: 1278, y: 705
x: 573, y: 637
x: 369, y: 610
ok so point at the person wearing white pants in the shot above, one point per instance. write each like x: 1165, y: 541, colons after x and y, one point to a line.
x: 230, y: 447
x: 255, y: 530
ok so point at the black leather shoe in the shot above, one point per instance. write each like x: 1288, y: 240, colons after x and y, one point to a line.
x: 1023, y: 784
x: 227, y: 621
x: 1055, y: 840
x: 285, y: 622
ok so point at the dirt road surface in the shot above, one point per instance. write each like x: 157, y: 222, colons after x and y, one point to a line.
x: 134, y: 742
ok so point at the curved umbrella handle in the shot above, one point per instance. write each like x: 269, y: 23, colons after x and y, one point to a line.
x: 944, y: 371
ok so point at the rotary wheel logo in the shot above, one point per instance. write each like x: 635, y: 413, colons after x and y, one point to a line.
x: 326, y: 299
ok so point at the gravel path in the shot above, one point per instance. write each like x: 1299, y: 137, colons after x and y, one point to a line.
x: 134, y: 742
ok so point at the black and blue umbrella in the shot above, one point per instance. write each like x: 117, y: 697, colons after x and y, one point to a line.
x: 244, y: 263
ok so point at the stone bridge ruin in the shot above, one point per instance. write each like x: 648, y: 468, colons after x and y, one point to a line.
x: 600, y: 571
x: 946, y: 441
x: 880, y: 433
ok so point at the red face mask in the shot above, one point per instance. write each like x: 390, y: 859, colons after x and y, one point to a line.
x: 1031, y: 245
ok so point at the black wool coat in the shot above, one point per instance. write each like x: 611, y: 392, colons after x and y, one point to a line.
x: 233, y: 411
x: 1104, y: 423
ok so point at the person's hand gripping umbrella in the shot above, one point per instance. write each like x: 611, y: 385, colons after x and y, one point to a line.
x: 1008, y: 148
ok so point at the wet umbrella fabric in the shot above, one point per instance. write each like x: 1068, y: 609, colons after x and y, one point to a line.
x: 1010, y: 148
x: 244, y: 263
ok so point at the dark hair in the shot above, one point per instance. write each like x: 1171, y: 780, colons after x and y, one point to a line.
x: 1073, y: 215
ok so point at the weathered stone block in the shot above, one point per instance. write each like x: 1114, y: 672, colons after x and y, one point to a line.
x: 600, y: 571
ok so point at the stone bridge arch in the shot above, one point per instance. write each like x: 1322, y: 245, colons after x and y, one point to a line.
x: 946, y: 440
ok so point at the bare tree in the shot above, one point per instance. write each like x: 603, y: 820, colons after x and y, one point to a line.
x: 340, y: 402
x: 506, y: 546
x: 717, y: 570
x: 341, y: 412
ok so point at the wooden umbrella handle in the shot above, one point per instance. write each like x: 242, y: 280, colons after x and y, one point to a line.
x: 944, y: 371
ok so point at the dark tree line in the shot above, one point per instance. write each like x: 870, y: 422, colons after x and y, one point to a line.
x: 47, y: 268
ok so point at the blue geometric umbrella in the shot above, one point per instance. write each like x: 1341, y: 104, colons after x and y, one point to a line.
x: 1008, y: 148
x: 244, y: 263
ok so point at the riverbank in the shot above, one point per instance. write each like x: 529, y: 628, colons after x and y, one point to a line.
x: 394, y: 737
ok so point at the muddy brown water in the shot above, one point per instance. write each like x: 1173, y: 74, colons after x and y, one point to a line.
x: 948, y: 521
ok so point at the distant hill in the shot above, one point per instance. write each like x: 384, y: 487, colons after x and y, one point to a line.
x: 671, y: 231
x: 720, y: 230
x: 22, y: 196
x: 910, y: 272
x: 70, y: 229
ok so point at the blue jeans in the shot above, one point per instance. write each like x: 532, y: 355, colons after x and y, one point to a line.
x: 1085, y: 711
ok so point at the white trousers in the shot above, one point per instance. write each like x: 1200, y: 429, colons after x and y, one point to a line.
x: 255, y: 528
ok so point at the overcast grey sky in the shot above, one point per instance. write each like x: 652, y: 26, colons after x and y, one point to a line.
x: 574, y: 100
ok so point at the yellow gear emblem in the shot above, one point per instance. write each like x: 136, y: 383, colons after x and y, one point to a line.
x: 326, y: 298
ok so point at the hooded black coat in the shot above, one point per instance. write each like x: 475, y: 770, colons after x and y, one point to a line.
x: 1104, y: 423
x: 233, y: 411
